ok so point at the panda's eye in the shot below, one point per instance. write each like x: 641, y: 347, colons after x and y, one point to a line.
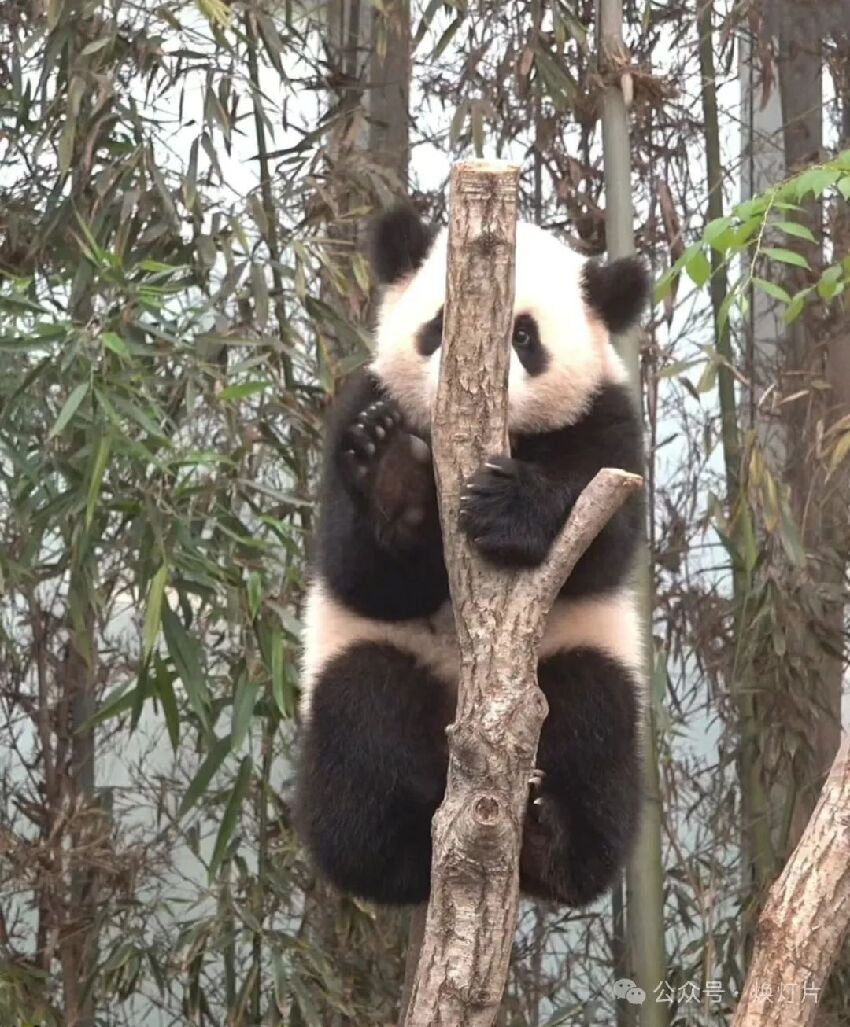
x: 522, y: 338
x: 525, y: 333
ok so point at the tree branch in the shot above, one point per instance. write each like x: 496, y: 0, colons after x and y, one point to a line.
x: 500, y: 618
x: 806, y: 916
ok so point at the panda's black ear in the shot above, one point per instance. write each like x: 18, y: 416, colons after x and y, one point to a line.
x: 617, y: 292
x: 399, y: 243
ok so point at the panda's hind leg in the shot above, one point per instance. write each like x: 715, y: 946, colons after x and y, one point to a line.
x: 373, y: 771
x: 582, y: 812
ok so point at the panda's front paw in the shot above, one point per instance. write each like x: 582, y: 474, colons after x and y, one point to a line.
x: 390, y: 470
x: 364, y: 442
x: 504, y: 512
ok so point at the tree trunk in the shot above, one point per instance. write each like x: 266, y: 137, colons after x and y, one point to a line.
x: 499, y: 616
x: 819, y: 505
x: 806, y: 916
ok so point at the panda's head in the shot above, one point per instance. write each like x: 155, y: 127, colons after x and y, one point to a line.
x: 565, y: 308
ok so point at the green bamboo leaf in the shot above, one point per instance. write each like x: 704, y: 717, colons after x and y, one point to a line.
x: 458, y: 121
x: 254, y: 593
x: 716, y: 230
x: 795, y: 307
x: 745, y: 231
x: 65, y: 149
x: 216, y: 755
x: 446, y: 37
x: 664, y: 285
x: 772, y: 289
x: 243, y: 390
x: 165, y: 690
x: 119, y: 700
x: 260, y: 291
x: 425, y: 23
x: 72, y: 403
x: 243, y: 710
x: 231, y: 815
x: 98, y: 44
x: 99, y: 467
x: 831, y: 282
x: 815, y: 180
x: 785, y: 256
x: 139, y: 694
x: 798, y: 231
x: 184, y: 651
x: 114, y: 342
x: 698, y: 268
x: 271, y: 40
x: 789, y: 535
x: 153, y: 611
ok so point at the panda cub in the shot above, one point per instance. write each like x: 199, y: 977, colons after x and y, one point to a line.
x: 380, y: 653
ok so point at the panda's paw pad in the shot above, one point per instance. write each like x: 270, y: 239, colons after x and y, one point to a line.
x: 366, y: 438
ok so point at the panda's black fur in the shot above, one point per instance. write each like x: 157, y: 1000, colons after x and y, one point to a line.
x: 380, y: 653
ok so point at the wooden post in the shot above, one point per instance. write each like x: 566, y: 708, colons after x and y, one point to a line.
x: 500, y: 618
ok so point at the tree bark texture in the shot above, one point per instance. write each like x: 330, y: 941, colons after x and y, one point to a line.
x: 499, y: 616
x: 806, y: 916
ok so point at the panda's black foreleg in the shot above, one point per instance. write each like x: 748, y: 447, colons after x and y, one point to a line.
x: 582, y: 815
x: 373, y: 771
x: 379, y: 543
x: 390, y: 471
x: 512, y: 512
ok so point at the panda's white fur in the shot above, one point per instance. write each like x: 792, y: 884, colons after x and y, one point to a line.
x: 609, y: 623
x: 548, y: 286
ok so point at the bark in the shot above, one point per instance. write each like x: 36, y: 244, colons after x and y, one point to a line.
x: 812, y: 354
x: 369, y: 57
x: 499, y: 616
x: 806, y: 916
x: 389, y: 89
x: 645, y: 872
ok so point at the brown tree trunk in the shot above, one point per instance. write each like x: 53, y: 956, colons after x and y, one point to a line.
x: 499, y: 616
x: 811, y: 355
x: 806, y: 916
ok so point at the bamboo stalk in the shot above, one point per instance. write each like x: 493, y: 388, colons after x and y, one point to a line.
x: 645, y: 871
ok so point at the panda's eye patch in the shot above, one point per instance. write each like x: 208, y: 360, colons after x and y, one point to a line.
x: 527, y: 345
x: 429, y: 338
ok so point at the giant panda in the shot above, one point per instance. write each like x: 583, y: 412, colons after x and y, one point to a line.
x: 380, y: 660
